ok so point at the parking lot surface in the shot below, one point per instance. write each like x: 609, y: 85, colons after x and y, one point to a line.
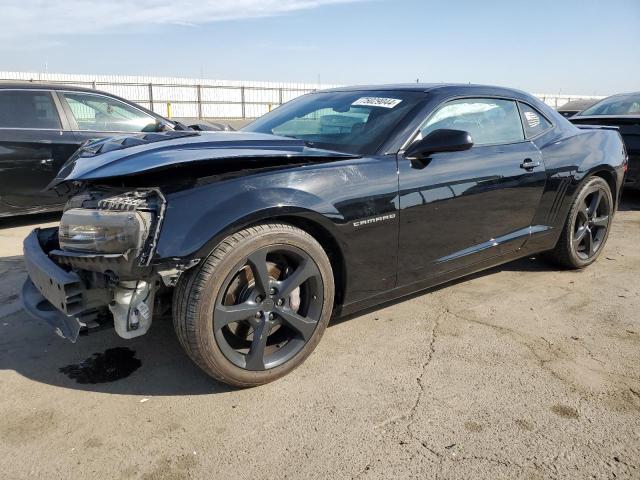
x: 523, y: 371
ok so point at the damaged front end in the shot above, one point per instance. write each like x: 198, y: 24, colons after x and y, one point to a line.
x: 96, y: 267
x: 101, y: 264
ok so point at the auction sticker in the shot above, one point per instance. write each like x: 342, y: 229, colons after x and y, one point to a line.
x: 532, y: 119
x: 377, y: 102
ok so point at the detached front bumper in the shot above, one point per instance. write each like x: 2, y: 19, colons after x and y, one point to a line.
x: 54, y: 295
x: 36, y: 305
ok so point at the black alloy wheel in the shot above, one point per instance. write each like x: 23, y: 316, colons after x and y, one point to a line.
x: 269, y: 307
x: 257, y: 306
x: 591, y: 223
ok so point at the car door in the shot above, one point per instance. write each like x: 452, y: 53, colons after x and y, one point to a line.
x: 459, y: 208
x: 94, y: 115
x: 33, y: 146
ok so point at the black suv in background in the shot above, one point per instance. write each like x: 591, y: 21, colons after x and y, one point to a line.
x: 42, y: 125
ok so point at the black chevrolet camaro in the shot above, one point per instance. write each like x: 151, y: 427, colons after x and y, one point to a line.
x: 337, y: 201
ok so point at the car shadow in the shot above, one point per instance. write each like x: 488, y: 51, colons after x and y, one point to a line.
x: 529, y: 264
x: 30, y: 348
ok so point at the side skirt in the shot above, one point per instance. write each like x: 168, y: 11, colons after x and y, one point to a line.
x: 531, y: 248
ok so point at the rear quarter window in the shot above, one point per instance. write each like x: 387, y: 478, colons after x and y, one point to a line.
x: 28, y: 109
x: 533, y: 121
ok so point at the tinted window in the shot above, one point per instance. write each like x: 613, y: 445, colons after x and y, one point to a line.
x: 27, y: 109
x: 354, y: 122
x: 488, y: 120
x: 99, y: 113
x: 324, y: 121
x: 617, y: 105
x: 534, y: 122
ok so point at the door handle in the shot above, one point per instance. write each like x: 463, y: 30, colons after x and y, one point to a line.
x: 529, y: 164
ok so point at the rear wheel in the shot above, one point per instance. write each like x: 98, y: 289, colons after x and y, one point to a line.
x: 587, y: 226
x: 257, y: 307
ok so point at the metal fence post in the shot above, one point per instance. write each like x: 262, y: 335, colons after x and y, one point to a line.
x: 280, y: 96
x: 151, y: 97
x: 199, y: 92
x: 242, y: 102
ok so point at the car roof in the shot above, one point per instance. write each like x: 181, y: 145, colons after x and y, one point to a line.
x: 411, y: 87
x: 629, y: 94
x: 578, y: 105
x: 425, y: 87
x: 42, y: 86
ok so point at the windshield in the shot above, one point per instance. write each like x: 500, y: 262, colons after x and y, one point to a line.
x: 353, y: 122
x: 618, y: 105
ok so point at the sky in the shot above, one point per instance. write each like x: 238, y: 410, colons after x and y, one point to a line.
x: 583, y: 47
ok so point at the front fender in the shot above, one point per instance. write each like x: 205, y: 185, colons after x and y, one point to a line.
x: 334, y: 198
x: 197, y: 220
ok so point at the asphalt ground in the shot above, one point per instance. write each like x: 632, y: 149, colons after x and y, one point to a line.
x: 522, y: 371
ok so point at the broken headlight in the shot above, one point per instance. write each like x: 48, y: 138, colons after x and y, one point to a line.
x: 103, y: 231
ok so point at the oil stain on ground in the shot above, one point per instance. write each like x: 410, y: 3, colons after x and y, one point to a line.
x: 112, y: 365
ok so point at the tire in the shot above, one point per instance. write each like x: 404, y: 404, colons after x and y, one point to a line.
x: 579, y: 246
x: 230, y: 283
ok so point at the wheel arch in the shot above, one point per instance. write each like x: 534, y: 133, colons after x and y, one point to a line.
x: 330, y: 245
x: 311, y: 222
x: 607, y: 175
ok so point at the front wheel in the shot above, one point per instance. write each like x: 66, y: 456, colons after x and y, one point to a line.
x: 257, y: 306
x: 587, y: 226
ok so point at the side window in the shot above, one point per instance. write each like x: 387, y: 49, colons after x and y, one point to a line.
x: 28, y: 109
x: 104, y: 114
x: 488, y: 120
x: 534, y: 122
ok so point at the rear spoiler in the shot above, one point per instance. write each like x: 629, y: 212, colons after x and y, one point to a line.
x: 596, y: 127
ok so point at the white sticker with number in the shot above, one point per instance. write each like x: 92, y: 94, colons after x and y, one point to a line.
x: 377, y: 102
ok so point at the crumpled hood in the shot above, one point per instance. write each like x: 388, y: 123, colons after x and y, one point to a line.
x: 127, y: 155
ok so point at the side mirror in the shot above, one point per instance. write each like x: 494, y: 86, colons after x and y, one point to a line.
x: 155, y: 126
x: 441, y: 140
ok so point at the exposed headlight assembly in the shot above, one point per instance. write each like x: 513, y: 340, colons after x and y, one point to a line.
x: 104, y: 231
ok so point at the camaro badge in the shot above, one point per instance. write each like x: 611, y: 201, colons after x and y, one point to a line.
x: 368, y: 221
